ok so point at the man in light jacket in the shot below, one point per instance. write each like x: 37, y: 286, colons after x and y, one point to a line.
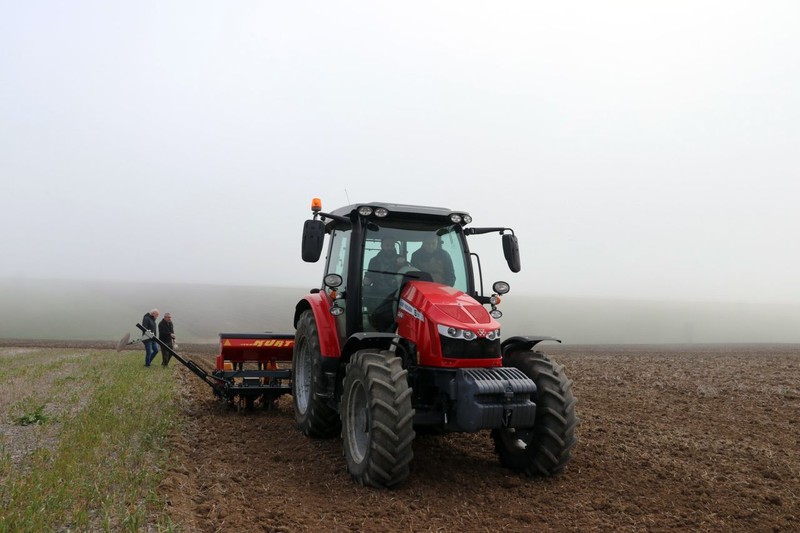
x: 150, y: 345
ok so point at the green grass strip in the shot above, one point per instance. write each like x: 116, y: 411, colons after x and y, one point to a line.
x: 104, y: 469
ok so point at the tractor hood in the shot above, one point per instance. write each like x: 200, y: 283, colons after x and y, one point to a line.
x: 449, y: 327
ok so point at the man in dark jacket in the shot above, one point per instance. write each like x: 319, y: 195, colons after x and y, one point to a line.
x: 382, y: 269
x: 432, y: 259
x: 150, y: 345
x: 166, y: 334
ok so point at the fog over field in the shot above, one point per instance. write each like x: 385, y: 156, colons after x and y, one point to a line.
x: 639, y: 150
x: 86, y: 310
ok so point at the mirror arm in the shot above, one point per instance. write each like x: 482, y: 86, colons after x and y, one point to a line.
x: 337, y: 218
x: 481, y: 231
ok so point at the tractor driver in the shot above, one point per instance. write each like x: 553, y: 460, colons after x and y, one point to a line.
x: 382, y: 268
x: 432, y: 259
x: 381, y: 282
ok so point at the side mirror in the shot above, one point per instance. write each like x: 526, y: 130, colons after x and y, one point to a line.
x: 511, y: 251
x: 313, y: 236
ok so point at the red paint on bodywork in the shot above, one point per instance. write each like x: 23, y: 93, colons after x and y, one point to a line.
x: 433, y: 304
x: 326, y: 325
x: 261, y: 348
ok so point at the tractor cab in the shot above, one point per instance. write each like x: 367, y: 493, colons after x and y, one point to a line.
x: 375, y: 249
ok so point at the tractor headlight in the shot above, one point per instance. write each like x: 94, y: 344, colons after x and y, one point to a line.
x: 365, y: 210
x: 496, y: 313
x: 455, y: 218
x: 332, y: 280
x: 450, y: 332
x: 456, y: 333
x: 465, y: 334
x: 501, y: 287
x: 381, y: 212
x: 492, y: 335
x: 467, y: 219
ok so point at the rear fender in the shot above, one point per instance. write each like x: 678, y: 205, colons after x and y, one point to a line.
x: 320, y: 305
x: 522, y: 343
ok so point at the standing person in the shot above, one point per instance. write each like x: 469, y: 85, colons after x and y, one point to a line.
x: 150, y: 345
x: 432, y: 259
x: 166, y: 334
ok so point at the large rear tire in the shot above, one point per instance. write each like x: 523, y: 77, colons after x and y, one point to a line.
x: 545, y: 449
x: 377, y: 419
x: 314, y: 416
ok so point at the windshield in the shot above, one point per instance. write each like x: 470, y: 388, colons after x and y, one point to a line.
x: 436, y: 250
x: 390, y: 251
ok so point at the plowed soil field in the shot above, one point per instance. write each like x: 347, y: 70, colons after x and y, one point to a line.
x: 676, y: 438
x: 672, y: 438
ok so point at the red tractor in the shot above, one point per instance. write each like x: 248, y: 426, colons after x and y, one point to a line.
x: 399, y: 338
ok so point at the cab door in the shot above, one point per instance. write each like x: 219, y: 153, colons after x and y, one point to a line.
x: 337, y: 264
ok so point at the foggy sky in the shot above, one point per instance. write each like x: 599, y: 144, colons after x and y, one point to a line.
x: 639, y: 149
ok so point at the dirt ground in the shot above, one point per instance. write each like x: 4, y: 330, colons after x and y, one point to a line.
x: 672, y: 438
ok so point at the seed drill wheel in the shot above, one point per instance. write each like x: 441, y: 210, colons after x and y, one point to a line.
x: 313, y: 416
x: 377, y: 419
x: 545, y: 449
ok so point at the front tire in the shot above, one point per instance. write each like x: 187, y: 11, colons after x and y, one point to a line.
x: 377, y: 419
x: 545, y: 449
x: 312, y: 413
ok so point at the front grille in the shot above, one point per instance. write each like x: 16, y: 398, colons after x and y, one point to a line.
x: 474, y: 349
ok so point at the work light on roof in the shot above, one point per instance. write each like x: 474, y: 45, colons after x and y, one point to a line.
x: 365, y: 210
x: 455, y: 218
x: 381, y: 212
x: 467, y: 219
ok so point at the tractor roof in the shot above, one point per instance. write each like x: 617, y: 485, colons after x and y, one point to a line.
x: 400, y: 209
